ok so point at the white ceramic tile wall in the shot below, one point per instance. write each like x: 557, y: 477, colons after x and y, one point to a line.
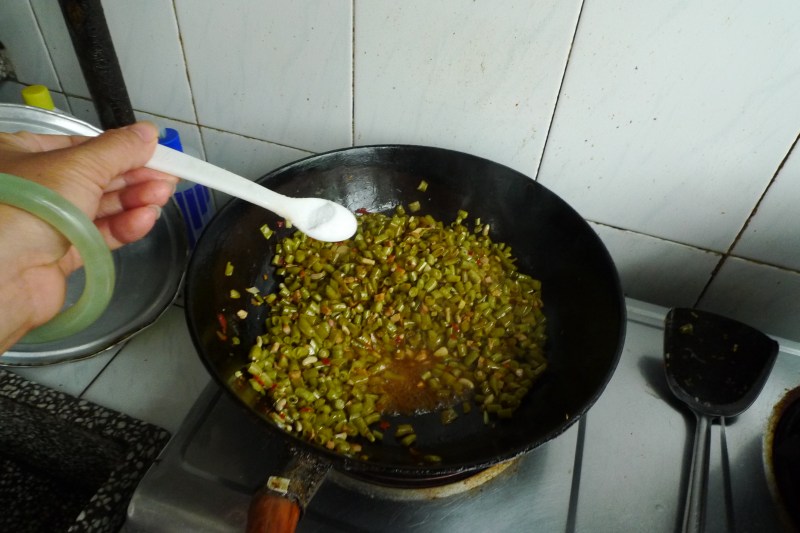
x: 662, y: 123
x: 145, y: 35
x: 674, y: 116
x: 274, y: 70
x: 25, y: 45
x: 773, y: 234
x: 657, y: 270
x: 480, y: 77
x: 251, y: 158
x: 757, y: 294
x: 59, y: 45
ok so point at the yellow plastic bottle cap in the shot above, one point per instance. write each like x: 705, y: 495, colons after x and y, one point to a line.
x: 38, y: 96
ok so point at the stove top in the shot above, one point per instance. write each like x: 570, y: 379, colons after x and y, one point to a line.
x: 623, y: 467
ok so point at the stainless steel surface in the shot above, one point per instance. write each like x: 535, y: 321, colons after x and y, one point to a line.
x: 622, y: 468
x: 15, y: 117
x: 148, y: 272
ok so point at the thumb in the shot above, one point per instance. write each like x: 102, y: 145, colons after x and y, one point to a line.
x: 115, y: 152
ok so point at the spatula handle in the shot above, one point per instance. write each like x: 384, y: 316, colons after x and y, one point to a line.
x: 695, y: 511
x: 273, y: 514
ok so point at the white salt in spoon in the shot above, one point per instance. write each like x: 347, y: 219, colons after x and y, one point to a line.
x: 316, y: 217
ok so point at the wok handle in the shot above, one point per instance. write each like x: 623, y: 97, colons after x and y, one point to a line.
x: 695, y: 510
x: 272, y: 512
x: 277, y: 507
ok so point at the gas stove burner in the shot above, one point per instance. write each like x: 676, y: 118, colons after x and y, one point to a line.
x: 418, y: 489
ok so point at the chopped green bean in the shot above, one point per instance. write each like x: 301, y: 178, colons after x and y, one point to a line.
x: 408, y: 303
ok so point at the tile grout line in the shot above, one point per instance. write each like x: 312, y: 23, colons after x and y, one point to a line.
x: 353, y: 73
x: 47, y: 49
x: 558, y: 92
x: 728, y: 253
x: 189, y: 81
x: 102, y: 370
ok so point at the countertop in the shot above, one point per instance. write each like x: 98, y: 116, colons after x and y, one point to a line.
x: 156, y: 377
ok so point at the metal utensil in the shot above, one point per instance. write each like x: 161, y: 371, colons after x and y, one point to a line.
x: 717, y: 366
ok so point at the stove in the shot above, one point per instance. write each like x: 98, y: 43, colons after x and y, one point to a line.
x: 622, y: 467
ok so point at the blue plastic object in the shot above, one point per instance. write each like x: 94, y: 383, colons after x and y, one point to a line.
x: 194, y: 200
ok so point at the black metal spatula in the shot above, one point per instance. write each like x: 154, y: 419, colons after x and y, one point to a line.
x: 717, y: 366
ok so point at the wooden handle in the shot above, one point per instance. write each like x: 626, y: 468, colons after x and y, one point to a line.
x: 271, y: 513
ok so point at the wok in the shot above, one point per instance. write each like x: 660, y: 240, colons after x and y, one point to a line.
x: 583, y: 300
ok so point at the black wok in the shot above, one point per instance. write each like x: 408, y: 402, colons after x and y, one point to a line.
x: 584, y: 304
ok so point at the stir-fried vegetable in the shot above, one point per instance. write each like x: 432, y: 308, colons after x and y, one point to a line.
x: 408, y: 316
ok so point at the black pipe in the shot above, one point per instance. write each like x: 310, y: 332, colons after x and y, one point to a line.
x: 87, y: 27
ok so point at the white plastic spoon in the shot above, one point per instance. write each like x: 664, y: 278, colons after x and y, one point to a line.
x: 316, y: 217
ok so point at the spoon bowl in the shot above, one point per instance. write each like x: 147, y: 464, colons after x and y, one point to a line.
x: 717, y: 367
x: 318, y: 218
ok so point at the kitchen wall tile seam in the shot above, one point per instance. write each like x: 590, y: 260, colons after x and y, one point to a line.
x: 764, y: 192
x: 39, y: 36
x: 559, y: 91
x: 250, y: 137
x: 719, y: 253
x: 200, y: 126
x: 43, y: 37
x: 188, y: 74
x: 730, y: 251
x: 117, y: 351
x: 352, y: 72
x: 656, y: 237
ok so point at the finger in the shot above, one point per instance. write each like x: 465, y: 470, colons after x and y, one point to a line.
x: 131, y: 197
x: 117, y: 231
x: 25, y: 141
x: 115, y: 152
x: 81, y: 173
x: 128, y: 226
x: 140, y: 175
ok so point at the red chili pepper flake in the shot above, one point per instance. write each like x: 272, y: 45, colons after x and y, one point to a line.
x: 259, y: 380
x: 306, y: 409
x: 326, y: 361
x: 223, y: 323
x: 362, y: 211
x: 384, y: 425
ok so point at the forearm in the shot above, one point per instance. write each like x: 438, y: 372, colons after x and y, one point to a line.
x: 17, y: 314
x: 32, y: 284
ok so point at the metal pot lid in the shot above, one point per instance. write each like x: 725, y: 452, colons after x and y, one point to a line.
x: 148, y: 272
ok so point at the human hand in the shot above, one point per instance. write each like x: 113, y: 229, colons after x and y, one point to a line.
x: 105, y: 178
